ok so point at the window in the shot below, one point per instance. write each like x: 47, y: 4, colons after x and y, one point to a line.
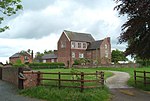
x: 105, y: 46
x: 81, y: 55
x: 52, y: 60
x: 79, y: 45
x: 44, y: 61
x: 106, y: 53
x: 73, y: 54
x: 63, y: 44
x: 73, y: 45
x: 25, y: 58
x: 84, y: 45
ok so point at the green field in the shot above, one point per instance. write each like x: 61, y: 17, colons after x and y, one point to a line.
x: 70, y: 94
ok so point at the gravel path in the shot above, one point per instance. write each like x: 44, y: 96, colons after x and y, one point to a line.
x: 121, y: 91
x: 8, y: 93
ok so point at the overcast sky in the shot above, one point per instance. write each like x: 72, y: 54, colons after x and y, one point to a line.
x: 39, y: 25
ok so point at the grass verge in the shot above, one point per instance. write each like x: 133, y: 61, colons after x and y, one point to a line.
x: 67, y: 94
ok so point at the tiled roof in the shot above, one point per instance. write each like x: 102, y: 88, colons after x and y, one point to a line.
x: 75, y: 36
x: 94, y: 45
x: 49, y: 56
x: 16, y: 55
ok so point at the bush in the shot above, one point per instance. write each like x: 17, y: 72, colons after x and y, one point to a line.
x: 144, y: 62
x: 46, y: 65
x: 81, y: 61
x: 18, y: 65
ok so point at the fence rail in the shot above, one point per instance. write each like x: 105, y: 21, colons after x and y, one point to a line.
x: 142, y: 75
x: 82, y: 79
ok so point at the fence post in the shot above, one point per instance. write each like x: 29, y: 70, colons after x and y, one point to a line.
x: 96, y: 75
x: 59, y: 78
x: 135, y: 77
x: 20, y: 81
x: 82, y: 81
x: 38, y: 78
x: 102, y: 78
x: 144, y: 78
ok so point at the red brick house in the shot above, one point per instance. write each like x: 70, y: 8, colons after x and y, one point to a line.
x: 23, y: 56
x: 74, y: 45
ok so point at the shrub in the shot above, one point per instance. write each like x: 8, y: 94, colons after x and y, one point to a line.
x: 144, y: 62
x: 46, y: 65
x: 81, y: 61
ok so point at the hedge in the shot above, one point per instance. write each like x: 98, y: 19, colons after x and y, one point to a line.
x: 144, y: 63
x: 46, y: 65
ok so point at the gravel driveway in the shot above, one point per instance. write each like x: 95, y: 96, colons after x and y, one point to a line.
x: 121, y: 91
x: 8, y: 93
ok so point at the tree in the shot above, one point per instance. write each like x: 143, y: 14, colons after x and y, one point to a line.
x: 38, y: 56
x: 136, y: 31
x: 117, y: 55
x: 48, y: 52
x: 8, y: 7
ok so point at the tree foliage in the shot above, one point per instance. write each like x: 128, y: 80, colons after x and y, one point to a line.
x: 38, y: 56
x: 136, y: 30
x: 8, y: 7
x: 117, y: 55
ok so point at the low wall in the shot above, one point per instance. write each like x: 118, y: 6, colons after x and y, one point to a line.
x: 111, y: 65
x: 10, y: 74
x: 30, y: 79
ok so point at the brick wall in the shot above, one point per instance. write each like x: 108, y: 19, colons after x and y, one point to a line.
x: 10, y: 74
x: 64, y: 52
x: 31, y: 79
x: 103, y: 49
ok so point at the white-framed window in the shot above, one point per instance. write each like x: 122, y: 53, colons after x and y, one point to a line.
x: 26, y: 58
x: 81, y: 55
x: 79, y: 45
x: 63, y: 44
x: 106, y: 53
x: 73, y: 54
x: 52, y: 60
x: 72, y: 44
x: 44, y: 61
x: 106, y: 46
x: 84, y: 45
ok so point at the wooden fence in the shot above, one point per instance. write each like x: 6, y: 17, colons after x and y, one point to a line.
x: 98, y: 79
x: 142, y: 75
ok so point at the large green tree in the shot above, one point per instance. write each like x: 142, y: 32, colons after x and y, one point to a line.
x: 117, y: 55
x: 136, y: 30
x: 8, y: 8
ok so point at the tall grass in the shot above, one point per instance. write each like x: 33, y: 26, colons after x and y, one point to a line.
x: 67, y: 94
